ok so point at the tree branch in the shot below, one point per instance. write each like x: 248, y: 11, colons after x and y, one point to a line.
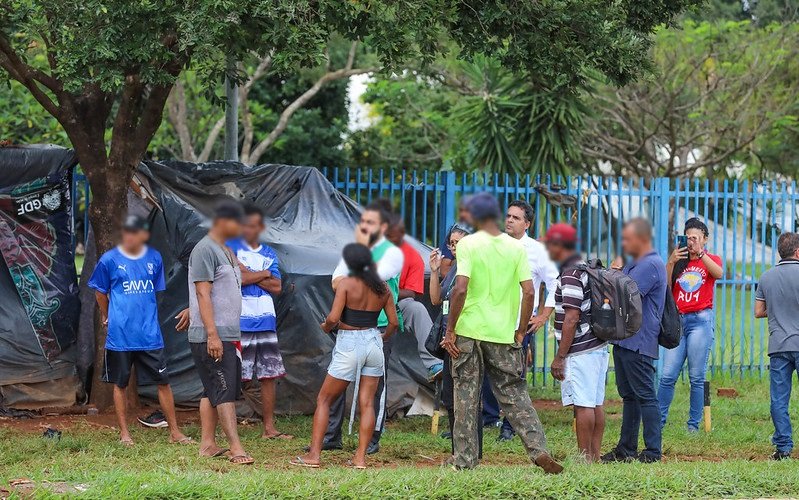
x: 178, y: 118
x: 298, y: 103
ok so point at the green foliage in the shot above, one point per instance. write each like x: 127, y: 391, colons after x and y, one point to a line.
x: 722, y: 91
x: 24, y: 121
x: 474, y: 115
x: 411, y: 126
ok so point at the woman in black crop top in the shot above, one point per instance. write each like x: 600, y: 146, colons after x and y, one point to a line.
x: 358, y: 354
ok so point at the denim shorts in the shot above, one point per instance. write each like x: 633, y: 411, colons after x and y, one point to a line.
x: 584, y: 384
x: 357, y: 352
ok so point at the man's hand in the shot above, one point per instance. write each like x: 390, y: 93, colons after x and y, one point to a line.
x: 183, y: 320
x: 214, y: 347
x: 449, y: 344
x: 361, y: 236
x: 519, y: 336
x: 618, y: 263
x: 326, y: 327
x: 558, y: 368
x: 535, y: 324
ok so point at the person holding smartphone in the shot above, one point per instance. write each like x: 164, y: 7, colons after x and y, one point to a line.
x: 693, y: 273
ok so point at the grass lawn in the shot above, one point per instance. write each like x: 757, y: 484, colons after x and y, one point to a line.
x: 726, y: 463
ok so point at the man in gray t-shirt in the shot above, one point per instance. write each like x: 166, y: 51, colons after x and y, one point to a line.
x: 777, y: 298
x: 214, y: 263
x: 214, y: 312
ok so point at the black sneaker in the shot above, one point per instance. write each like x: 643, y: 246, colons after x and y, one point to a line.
x: 506, y: 435
x: 646, y: 458
x: 615, y: 456
x: 780, y: 455
x: 155, y: 420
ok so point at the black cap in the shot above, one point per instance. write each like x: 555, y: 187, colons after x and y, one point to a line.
x: 229, y: 210
x: 135, y: 223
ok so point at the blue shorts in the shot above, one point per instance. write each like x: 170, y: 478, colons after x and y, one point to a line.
x: 357, y: 352
x: 584, y: 383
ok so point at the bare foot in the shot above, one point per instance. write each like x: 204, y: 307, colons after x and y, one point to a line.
x: 126, y: 440
x: 275, y: 434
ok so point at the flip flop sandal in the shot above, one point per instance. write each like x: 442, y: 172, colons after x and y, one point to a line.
x: 299, y: 462
x: 220, y: 453
x: 279, y: 435
x: 351, y: 465
x: 241, y: 460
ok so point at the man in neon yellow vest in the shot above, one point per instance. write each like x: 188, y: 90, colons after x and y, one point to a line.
x: 370, y: 232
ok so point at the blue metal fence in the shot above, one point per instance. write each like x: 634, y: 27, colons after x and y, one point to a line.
x: 744, y: 218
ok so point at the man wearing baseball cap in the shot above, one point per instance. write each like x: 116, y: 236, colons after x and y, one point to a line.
x: 484, y: 335
x: 581, y: 360
x: 125, y: 282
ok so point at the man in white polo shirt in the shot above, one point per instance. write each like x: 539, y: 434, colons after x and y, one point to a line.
x: 544, y: 272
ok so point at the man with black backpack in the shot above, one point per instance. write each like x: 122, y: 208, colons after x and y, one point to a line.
x: 581, y: 361
x: 634, y: 357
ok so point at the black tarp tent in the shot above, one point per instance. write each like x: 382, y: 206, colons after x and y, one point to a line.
x: 308, y: 220
x: 39, y: 304
x: 308, y: 223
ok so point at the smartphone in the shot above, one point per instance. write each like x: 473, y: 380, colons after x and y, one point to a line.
x: 682, y: 241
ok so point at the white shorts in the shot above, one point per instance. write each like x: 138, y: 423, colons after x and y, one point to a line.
x: 584, y: 384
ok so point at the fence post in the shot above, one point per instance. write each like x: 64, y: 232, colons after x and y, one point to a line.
x: 661, y: 220
x: 662, y: 226
x: 448, y: 211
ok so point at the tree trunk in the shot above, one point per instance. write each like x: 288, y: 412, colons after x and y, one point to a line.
x: 108, y: 206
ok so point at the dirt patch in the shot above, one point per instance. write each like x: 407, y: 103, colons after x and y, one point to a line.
x: 104, y: 420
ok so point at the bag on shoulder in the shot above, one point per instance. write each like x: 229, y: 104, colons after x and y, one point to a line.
x: 622, y: 316
x: 670, y: 324
x: 434, y: 338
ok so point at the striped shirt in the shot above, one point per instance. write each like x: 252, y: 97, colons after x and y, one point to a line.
x: 257, y: 305
x: 573, y: 292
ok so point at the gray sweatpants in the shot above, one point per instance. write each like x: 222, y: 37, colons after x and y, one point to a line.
x: 417, y: 320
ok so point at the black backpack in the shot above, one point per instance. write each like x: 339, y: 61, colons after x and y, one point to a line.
x: 670, y: 324
x: 622, y: 319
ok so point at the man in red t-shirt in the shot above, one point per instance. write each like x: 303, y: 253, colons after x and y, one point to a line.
x: 411, y: 286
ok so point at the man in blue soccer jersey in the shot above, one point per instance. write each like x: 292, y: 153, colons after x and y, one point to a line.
x: 125, y: 282
x: 260, y: 282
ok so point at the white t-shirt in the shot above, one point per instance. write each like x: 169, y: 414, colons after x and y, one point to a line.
x: 542, y: 269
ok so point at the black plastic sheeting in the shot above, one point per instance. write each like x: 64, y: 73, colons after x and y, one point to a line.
x: 39, y: 304
x: 308, y: 224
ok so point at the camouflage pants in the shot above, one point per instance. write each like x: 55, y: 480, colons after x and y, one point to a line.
x: 504, y: 365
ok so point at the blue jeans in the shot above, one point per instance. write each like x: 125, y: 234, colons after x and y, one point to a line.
x: 781, y: 369
x: 635, y: 379
x: 695, y: 345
